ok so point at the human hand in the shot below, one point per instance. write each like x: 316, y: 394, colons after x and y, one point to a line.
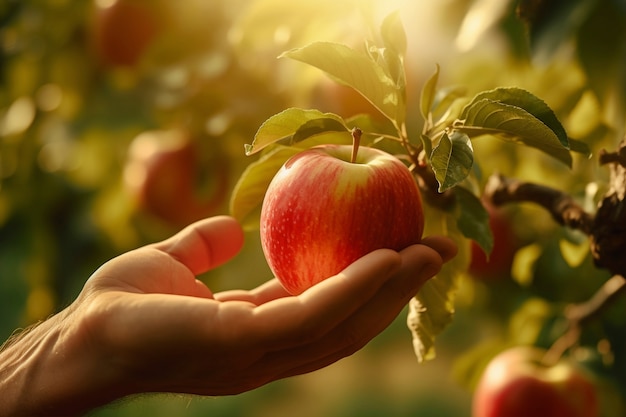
x: 144, y: 323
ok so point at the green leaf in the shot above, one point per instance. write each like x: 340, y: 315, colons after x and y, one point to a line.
x: 428, y: 94
x: 427, y: 144
x: 525, y: 100
x: 432, y: 309
x: 317, y: 127
x: 293, y: 125
x: 473, y: 219
x: 394, y: 40
x: 394, y: 66
x: 446, y: 100
x: 393, y: 34
x: 452, y: 159
x: 514, y: 124
x: 357, y: 70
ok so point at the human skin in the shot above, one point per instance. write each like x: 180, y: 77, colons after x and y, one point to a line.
x: 144, y: 323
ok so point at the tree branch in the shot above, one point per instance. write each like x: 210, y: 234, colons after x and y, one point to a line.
x: 618, y: 157
x: 581, y: 313
x: 561, y: 206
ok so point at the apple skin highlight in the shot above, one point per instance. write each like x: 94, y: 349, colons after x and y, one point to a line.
x: 322, y: 212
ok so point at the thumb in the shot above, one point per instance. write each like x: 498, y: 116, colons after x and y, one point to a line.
x: 205, y: 244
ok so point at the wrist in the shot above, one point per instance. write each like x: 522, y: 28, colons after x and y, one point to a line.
x: 47, y: 370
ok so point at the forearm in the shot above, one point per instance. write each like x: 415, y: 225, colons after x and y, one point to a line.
x: 43, y: 374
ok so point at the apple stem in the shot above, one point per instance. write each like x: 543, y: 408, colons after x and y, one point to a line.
x: 356, y: 140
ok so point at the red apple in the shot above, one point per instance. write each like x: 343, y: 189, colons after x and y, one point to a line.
x: 321, y: 212
x: 505, y: 244
x: 123, y: 30
x: 517, y: 384
x: 164, y: 174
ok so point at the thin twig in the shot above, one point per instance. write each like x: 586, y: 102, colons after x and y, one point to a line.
x: 581, y: 313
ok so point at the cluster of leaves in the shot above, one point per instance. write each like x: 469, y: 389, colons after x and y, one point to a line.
x: 443, y: 149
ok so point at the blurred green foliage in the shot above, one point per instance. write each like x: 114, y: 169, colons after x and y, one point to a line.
x: 69, y: 111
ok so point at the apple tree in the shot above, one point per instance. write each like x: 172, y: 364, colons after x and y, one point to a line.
x: 121, y: 120
x: 566, y: 272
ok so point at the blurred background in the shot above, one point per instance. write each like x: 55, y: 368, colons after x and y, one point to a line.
x: 121, y: 121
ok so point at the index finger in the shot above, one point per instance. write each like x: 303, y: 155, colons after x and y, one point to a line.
x: 294, y: 321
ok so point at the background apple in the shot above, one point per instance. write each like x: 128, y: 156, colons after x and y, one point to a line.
x: 167, y: 178
x: 517, y: 384
x: 505, y: 244
x: 123, y: 30
x: 321, y: 212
